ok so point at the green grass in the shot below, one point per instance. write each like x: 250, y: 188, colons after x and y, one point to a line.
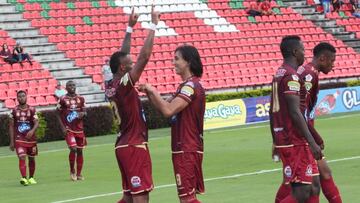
x: 228, y: 152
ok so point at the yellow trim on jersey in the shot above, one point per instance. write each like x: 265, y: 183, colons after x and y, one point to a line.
x: 186, y: 194
x: 146, y: 190
x: 284, y: 146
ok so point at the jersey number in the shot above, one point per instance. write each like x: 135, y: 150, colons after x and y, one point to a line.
x: 116, y: 112
x: 275, y: 96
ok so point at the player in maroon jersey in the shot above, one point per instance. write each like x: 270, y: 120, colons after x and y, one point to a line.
x: 323, y: 61
x: 291, y: 137
x: 22, y: 127
x: 186, y: 109
x: 71, y: 108
x: 131, y: 149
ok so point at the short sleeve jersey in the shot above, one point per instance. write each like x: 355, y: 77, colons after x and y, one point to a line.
x: 128, y: 111
x: 187, y: 125
x: 69, y: 108
x: 286, y: 81
x: 23, y: 123
x: 310, y: 77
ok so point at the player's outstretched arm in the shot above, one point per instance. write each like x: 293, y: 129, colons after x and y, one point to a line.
x: 166, y: 108
x: 11, y: 134
x: 126, y: 44
x: 293, y: 103
x: 146, y: 50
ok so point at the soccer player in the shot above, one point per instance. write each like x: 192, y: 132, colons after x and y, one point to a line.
x: 71, y: 112
x: 22, y: 127
x: 131, y: 149
x: 291, y: 137
x: 186, y: 109
x: 323, y: 61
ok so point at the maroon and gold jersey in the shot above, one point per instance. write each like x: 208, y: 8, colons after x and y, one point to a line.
x: 310, y: 77
x: 69, y: 108
x: 286, y: 81
x: 23, y: 123
x: 187, y: 125
x: 128, y: 111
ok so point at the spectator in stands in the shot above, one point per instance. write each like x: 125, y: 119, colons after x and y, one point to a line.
x: 20, y: 55
x: 326, y: 6
x: 336, y: 5
x: 59, y: 91
x: 259, y: 8
x: 253, y: 9
x: 265, y: 8
x: 107, y: 74
x: 356, y: 13
x: 6, y: 54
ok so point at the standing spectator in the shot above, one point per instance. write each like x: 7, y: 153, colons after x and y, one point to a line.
x: 253, y: 9
x: 107, y: 74
x: 6, y: 54
x: 20, y: 55
x: 59, y: 91
x: 326, y: 5
x: 265, y: 8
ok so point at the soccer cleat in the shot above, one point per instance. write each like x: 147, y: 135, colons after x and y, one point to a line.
x: 32, y: 181
x: 73, y: 176
x: 24, y: 182
x: 80, y: 177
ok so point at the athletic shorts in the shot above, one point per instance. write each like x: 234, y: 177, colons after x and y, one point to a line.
x: 77, y: 140
x: 188, y: 173
x: 303, y: 165
x: 23, y: 150
x: 135, y: 167
x: 285, y: 154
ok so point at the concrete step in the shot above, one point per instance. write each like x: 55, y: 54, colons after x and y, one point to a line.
x: 38, y: 48
x: 345, y: 35
x: 15, y: 24
x: 90, y: 88
x: 74, y: 72
x: 353, y: 42
x: 83, y: 80
x: 325, y: 23
x: 334, y: 30
x: 314, y: 17
x: 36, y: 39
x: 10, y: 15
x: 23, y: 32
x: 58, y: 64
x: 53, y: 55
x: 294, y: 3
x: 94, y: 98
x: 305, y: 10
x: 6, y: 8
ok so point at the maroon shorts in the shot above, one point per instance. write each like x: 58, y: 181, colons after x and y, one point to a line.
x: 135, y: 167
x: 285, y: 154
x: 77, y: 140
x: 23, y: 150
x: 303, y: 165
x: 188, y: 173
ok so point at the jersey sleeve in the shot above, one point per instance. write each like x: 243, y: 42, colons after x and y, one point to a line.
x: 291, y: 84
x: 187, y: 91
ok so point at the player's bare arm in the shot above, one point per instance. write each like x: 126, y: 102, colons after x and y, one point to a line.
x: 146, y: 50
x: 168, y: 109
x: 11, y: 134
x: 298, y: 120
x: 318, y: 139
x: 32, y: 131
x: 126, y: 45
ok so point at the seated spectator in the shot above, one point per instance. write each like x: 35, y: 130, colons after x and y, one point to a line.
x: 20, y: 55
x: 59, y: 91
x: 265, y: 8
x: 357, y: 13
x: 336, y: 5
x: 326, y: 6
x: 107, y: 74
x: 253, y: 9
x: 6, y: 54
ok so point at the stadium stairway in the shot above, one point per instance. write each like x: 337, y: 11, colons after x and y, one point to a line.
x: 47, y: 54
x: 329, y: 25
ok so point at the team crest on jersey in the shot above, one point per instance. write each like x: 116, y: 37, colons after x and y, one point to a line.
x: 308, y: 77
x: 186, y: 90
x: 280, y: 72
x: 294, y: 85
x: 287, y: 171
x: 295, y: 77
x: 135, y: 181
x: 308, y: 170
x: 308, y: 86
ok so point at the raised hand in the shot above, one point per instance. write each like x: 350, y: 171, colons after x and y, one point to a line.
x: 133, y: 18
x: 145, y: 88
x: 155, y: 15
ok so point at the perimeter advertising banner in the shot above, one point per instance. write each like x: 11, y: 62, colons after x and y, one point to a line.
x: 251, y: 110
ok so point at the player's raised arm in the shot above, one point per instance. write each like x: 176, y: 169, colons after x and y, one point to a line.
x: 126, y: 44
x: 299, y: 122
x: 146, y: 50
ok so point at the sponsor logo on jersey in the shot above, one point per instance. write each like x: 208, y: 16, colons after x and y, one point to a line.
x: 72, y: 116
x: 294, y: 85
x: 295, y: 77
x: 280, y: 72
x: 287, y: 171
x: 24, y: 127
x: 308, y: 86
x: 308, y: 77
x: 135, y: 181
